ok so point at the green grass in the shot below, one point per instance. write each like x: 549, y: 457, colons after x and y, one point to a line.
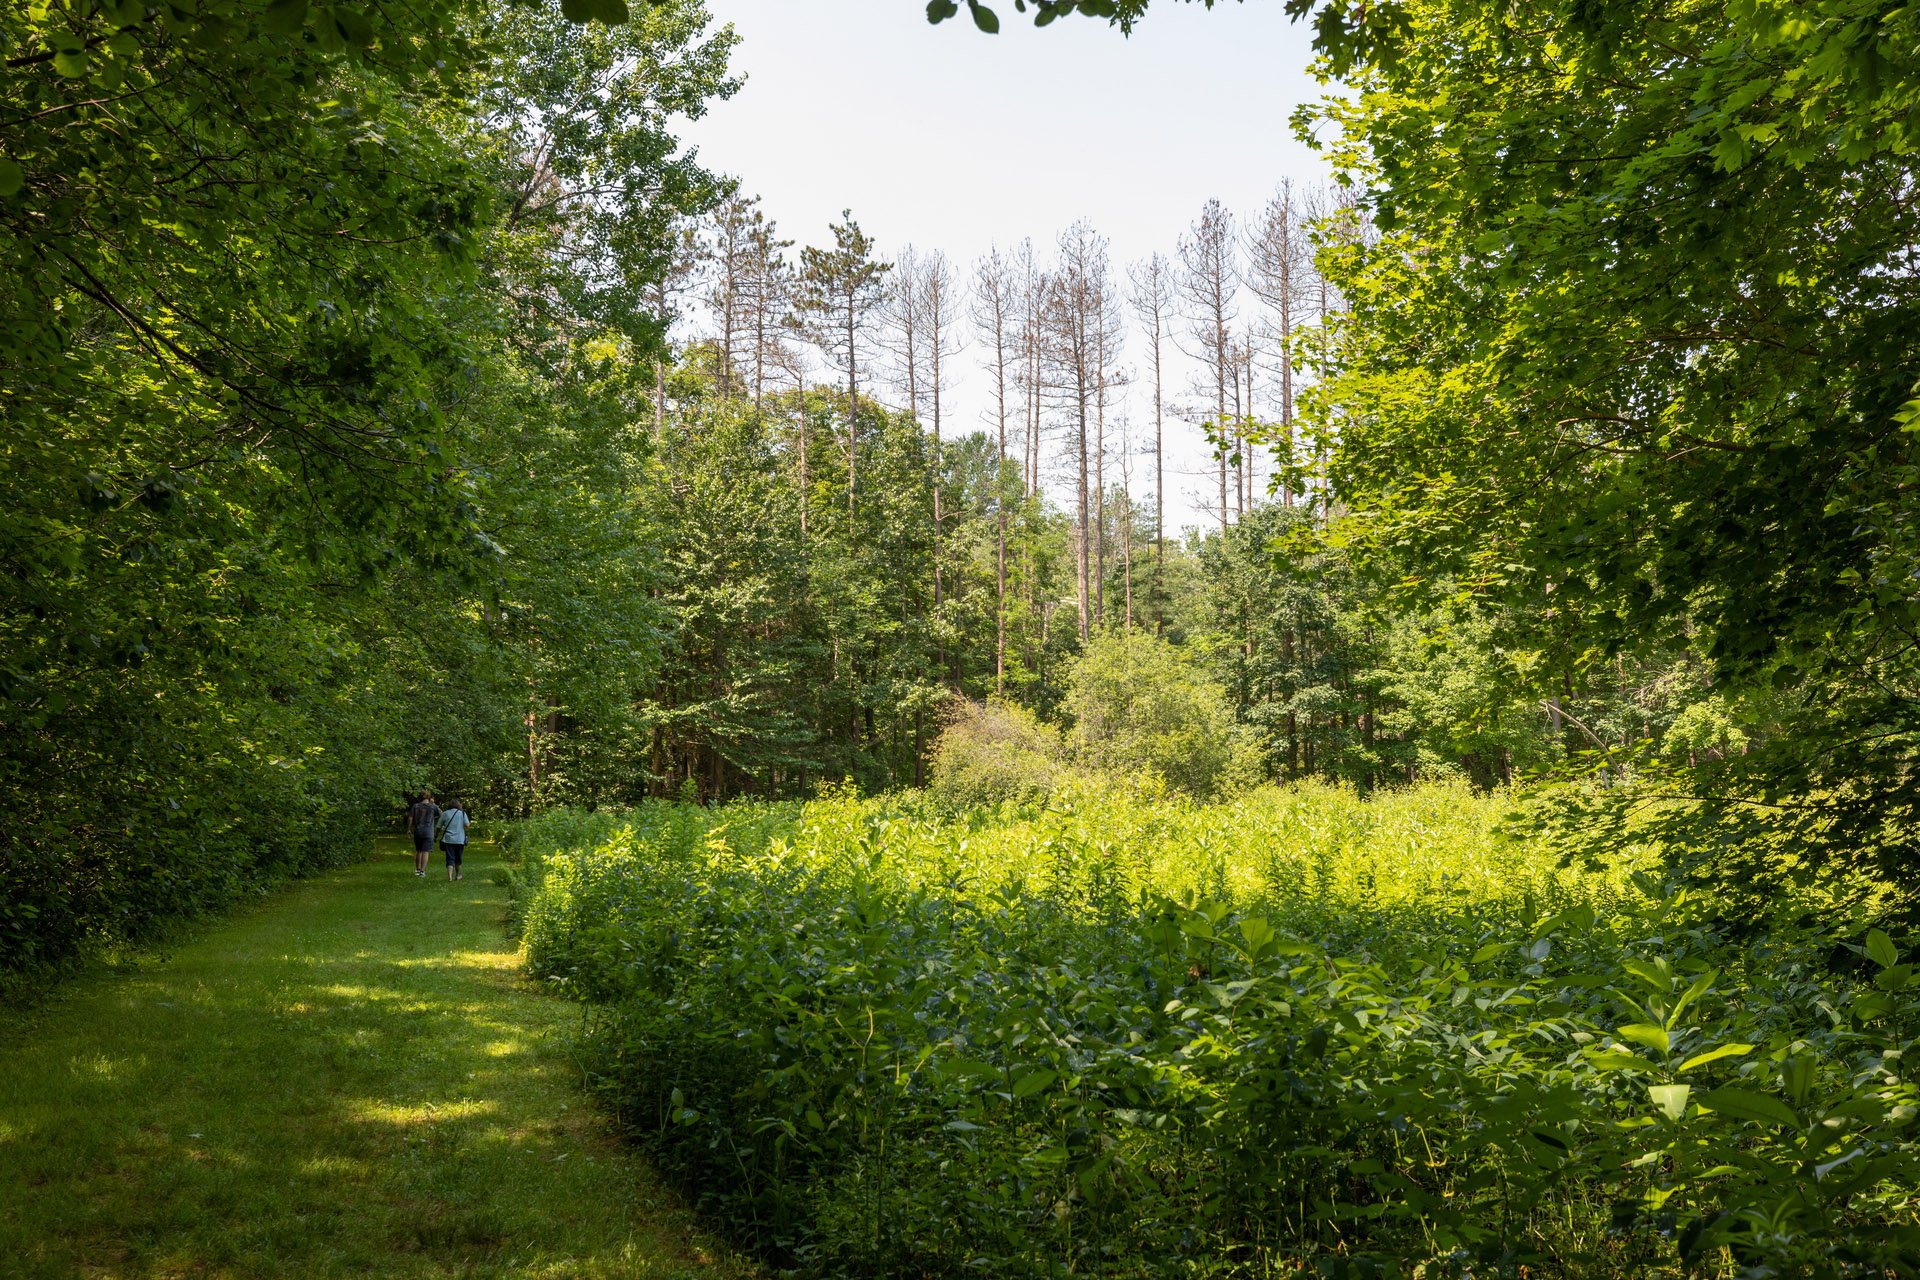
x: 353, y: 1079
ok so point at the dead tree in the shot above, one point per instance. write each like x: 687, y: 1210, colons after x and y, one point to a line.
x: 1207, y: 282
x: 1152, y: 299
x: 1280, y: 273
x: 769, y: 297
x: 1076, y: 312
x: 994, y: 313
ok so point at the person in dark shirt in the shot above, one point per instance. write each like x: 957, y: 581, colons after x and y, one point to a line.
x: 423, y: 817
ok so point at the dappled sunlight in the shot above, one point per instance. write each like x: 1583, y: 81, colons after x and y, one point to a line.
x: 396, y: 1001
x: 461, y: 960
x: 101, y: 1067
x: 334, y: 1167
x: 358, y: 1088
x: 373, y: 1111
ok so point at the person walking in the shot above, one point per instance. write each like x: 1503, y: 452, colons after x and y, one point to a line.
x: 423, y: 818
x: 453, y: 837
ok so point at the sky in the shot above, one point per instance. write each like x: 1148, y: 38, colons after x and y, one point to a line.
x: 944, y: 137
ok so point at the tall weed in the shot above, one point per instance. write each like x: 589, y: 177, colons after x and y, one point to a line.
x: 1121, y: 1037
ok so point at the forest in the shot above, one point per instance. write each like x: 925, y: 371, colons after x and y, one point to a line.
x: 1516, y: 761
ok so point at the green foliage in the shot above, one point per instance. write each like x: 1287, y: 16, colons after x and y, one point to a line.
x: 1634, y: 357
x: 1141, y: 705
x: 305, y: 397
x: 1297, y: 1030
x: 996, y: 752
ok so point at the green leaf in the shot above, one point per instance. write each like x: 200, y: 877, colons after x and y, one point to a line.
x: 284, y: 17
x: 1714, y: 1055
x: 1881, y: 948
x: 1645, y: 1033
x: 1693, y: 992
x: 611, y: 12
x: 941, y: 10
x: 1670, y: 1098
x: 12, y: 177
x: 353, y: 27
x: 1033, y: 1082
x: 1618, y: 1060
x: 1259, y: 936
x: 1651, y: 974
x: 71, y: 63
x: 1745, y: 1104
x: 984, y: 18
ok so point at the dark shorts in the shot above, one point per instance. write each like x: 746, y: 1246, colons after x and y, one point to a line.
x: 453, y: 852
x: 422, y: 844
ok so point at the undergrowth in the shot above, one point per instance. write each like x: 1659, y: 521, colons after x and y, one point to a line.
x: 1123, y: 1036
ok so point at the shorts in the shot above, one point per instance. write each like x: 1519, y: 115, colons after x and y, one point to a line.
x: 422, y: 843
x: 453, y: 852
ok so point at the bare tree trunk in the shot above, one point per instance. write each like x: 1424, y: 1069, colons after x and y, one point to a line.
x: 1126, y: 523
x: 992, y: 304
x: 1208, y: 280
x: 1081, y: 333
x: 1100, y: 487
x: 853, y: 419
x: 1151, y: 283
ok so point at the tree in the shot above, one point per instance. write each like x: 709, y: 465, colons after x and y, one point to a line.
x: 995, y: 298
x: 1280, y: 273
x: 904, y: 312
x: 769, y: 294
x: 277, y: 286
x: 1152, y: 299
x: 1141, y: 705
x: 839, y: 288
x: 1078, y: 324
x: 1634, y: 355
x: 730, y: 249
x: 1206, y: 283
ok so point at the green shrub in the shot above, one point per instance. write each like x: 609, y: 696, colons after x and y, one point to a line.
x: 996, y: 752
x: 1120, y: 1036
x: 1141, y: 705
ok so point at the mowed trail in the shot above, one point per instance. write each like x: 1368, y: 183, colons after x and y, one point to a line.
x: 353, y: 1078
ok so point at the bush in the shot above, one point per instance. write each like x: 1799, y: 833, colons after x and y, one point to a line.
x: 1141, y: 705
x: 1297, y: 1032
x: 995, y: 752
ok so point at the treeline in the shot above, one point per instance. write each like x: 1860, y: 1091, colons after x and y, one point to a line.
x: 322, y: 338
x: 347, y: 452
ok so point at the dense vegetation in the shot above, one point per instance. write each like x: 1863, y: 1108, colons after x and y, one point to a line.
x: 1110, y: 1036
x: 390, y: 399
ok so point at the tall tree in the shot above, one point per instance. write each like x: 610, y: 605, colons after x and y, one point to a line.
x: 1280, y: 273
x: 839, y: 288
x: 769, y: 289
x: 1207, y: 282
x: 1152, y: 299
x: 941, y: 304
x: 1636, y: 354
x: 904, y: 317
x: 994, y: 314
x: 729, y: 246
x: 1078, y: 323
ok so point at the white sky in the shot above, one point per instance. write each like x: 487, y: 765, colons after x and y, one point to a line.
x: 944, y: 137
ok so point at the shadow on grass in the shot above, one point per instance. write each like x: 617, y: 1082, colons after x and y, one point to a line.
x: 352, y: 1080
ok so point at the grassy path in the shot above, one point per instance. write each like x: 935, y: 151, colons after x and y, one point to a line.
x: 353, y: 1079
